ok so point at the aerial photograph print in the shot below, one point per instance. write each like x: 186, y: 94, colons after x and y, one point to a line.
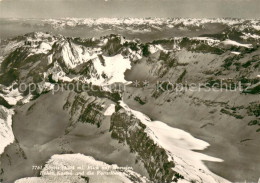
x: 129, y: 91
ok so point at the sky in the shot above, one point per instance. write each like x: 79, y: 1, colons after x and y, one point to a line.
x: 129, y: 8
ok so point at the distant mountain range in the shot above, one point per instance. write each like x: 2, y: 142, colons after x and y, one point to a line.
x: 143, y: 28
x: 164, y: 133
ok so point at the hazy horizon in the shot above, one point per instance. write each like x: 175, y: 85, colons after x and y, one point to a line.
x: 130, y: 8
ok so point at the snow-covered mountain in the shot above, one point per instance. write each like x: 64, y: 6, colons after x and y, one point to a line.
x: 152, y: 23
x: 146, y: 29
x: 140, y: 122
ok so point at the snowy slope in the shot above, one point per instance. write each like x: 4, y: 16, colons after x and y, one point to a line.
x: 110, y: 110
x: 114, y: 68
x: 234, y: 43
x: 179, y: 145
x: 6, y: 132
x: 75, y: 55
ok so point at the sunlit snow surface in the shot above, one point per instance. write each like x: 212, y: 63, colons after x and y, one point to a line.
x: 74, y: 55
x: 11, y: 96
x: 179, y: 145
x: 236, y: 53
x: 6, y: 133
x: 234, y: 43
x: 110, y: 110
x: 114, y: 68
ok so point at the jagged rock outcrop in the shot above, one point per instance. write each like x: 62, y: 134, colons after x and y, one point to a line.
x: 129, y: 130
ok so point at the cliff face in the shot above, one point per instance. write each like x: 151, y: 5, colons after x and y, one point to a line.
x: 129, y: 130
x: 85, y: 109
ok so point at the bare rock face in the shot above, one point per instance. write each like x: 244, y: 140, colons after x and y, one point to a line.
x: 125, y: 129
x: 129, y: 130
